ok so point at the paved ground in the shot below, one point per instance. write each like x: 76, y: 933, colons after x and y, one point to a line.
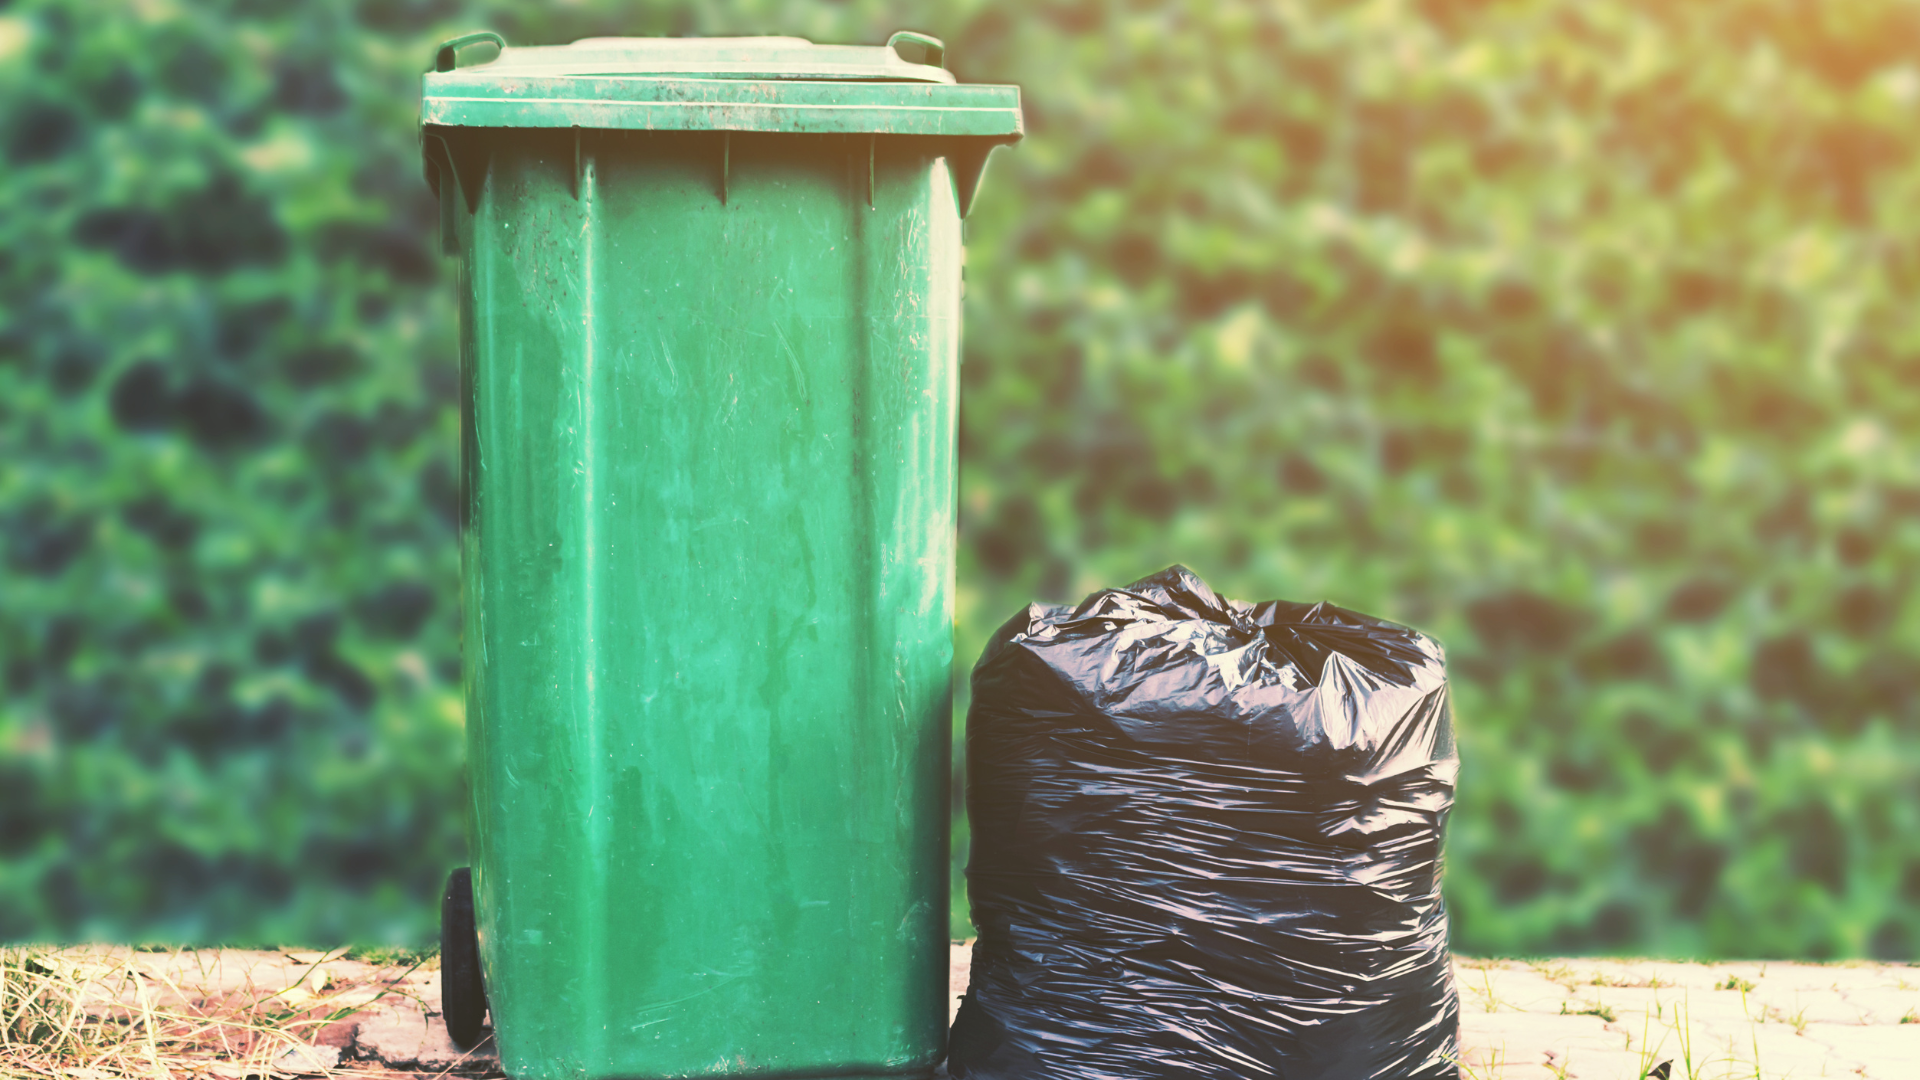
x: 1608, y: 1019
x: 1577, y: 1019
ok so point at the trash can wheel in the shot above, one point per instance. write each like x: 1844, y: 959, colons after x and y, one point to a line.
x: 463, y: 995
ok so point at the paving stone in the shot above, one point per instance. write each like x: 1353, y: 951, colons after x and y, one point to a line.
x: 1859, y: 975
x: 1808, y: 977
x: 1793, y: 1006
x: 1590, y: 1064
x: 1721, y: 973
x: 1616, y: 973
x: 228, y: 976
x: 1682, y: 974
x: 306, y: 1060
x: 1883, y: 1006
x: 1888, y: 1051
x: 1649, y: 974
x: 1728, y: 1003
x: 1531, y: 1038
x: 1509, y: 987
x: 1625, y: 1003
x: 1724, y: 1007
x: 405, y: 1037
x: 1777, y: 1049
x: 339, y: 1033
x: 1493, y: 1063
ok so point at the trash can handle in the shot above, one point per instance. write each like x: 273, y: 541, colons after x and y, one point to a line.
x: 443, y: 57
x: 936, y: 49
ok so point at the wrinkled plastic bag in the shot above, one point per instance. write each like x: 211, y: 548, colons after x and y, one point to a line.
x: 1206, y: 842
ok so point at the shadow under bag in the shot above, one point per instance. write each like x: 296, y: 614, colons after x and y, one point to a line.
x: 1207, y: 843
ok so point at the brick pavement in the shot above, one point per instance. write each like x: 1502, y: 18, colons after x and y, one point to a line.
x: 1578, y: 1019
x: 1614, y: 1019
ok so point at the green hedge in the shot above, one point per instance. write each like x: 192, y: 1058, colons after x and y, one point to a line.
x: 1577, y: 333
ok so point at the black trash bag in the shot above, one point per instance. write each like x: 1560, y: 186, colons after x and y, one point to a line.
x: 1207, y: 843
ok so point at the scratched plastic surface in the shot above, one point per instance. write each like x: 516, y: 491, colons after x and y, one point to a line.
x: 709, y: 462
x: 1206, y: 843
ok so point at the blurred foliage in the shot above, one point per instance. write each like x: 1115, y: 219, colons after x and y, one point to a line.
x: 1570, y: 331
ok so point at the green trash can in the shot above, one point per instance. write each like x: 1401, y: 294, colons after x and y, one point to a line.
x: 710, y: 321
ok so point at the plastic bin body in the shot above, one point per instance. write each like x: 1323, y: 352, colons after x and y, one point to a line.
x: 709, y: 388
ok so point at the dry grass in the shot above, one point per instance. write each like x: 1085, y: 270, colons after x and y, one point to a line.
x: 104, y: 1014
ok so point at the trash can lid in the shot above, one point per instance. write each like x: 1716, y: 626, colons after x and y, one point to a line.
x: 717, y: 84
